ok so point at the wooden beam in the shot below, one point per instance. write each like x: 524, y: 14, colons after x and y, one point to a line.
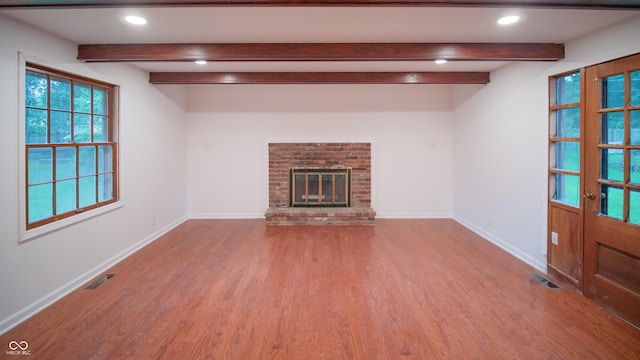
x: 321, y: 52
x: 562, y: 4
x: 210, y: 78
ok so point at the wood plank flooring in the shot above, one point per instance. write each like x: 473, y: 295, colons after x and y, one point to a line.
x: 402, y: 289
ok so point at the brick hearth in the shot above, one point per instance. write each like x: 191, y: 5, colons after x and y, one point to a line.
x: 283, y: 156
x: 320, y: 216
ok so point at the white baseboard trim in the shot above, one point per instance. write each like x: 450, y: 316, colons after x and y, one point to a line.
x: 503, y: 245
x: 226, y: 216
x: 40, y: 304
x: 413, y: 215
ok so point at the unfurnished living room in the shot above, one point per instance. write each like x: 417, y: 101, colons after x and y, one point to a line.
x: 322, y: 179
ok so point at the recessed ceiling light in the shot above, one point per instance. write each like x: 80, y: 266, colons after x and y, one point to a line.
x: 201, y: 62
x: 508, y: 20
x: 135, y: 20
x: 441, y: 61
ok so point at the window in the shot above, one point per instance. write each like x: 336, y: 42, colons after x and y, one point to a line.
x: 70, y: 145
x: 564, y: 138
x: 619, y: 146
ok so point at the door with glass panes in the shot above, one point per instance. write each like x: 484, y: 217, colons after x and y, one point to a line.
x: 612, y: 186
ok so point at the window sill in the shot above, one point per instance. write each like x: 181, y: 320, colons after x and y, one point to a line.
x: 27, y: 235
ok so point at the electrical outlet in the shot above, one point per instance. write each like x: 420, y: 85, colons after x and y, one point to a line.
x: 554, y: 238
x: 153, y: 220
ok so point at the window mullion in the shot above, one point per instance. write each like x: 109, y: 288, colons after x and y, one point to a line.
x: 95, y: 170
x: 92, y: 114
x: 48, y: 109
x: 77, y: 148
x: 53, y: 150
x: 54, y: 182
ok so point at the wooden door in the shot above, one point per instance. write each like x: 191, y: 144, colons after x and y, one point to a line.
x: 612, y: 187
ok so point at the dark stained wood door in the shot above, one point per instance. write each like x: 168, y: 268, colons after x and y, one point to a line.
x: 612, y: 187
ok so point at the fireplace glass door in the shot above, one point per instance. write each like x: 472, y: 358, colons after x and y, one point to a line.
x: 320, y: 187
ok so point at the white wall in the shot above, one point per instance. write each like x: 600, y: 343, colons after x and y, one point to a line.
x: 153, y: 179
x: 409, y: 128
x: 500, y: 144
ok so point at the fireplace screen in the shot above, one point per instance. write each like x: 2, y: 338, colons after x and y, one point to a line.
x: 310, y: 187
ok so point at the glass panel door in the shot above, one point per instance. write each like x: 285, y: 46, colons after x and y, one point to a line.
x: 612, y: 204
x: 564, y: 140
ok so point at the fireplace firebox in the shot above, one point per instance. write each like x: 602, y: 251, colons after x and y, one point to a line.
x: 320, y: 187
x: 319, y: 184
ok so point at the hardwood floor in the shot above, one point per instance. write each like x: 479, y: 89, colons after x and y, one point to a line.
x: 402, y: 289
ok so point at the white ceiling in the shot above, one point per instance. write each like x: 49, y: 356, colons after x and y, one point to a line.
x: 321, y: 24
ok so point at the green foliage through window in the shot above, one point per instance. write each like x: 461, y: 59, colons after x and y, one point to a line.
x: 70, y: 150
x: 568, y: 89
x: 565, y: 144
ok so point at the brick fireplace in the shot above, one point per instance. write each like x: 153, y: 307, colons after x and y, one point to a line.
x: 321, y: 158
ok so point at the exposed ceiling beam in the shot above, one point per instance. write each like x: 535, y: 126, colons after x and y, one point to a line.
x: 574, y: 4
x: 322, y: 52
x: 212, y: 78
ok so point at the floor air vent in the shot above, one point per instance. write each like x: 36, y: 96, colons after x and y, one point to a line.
x: 99, y: 282
x: 544, y: 281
